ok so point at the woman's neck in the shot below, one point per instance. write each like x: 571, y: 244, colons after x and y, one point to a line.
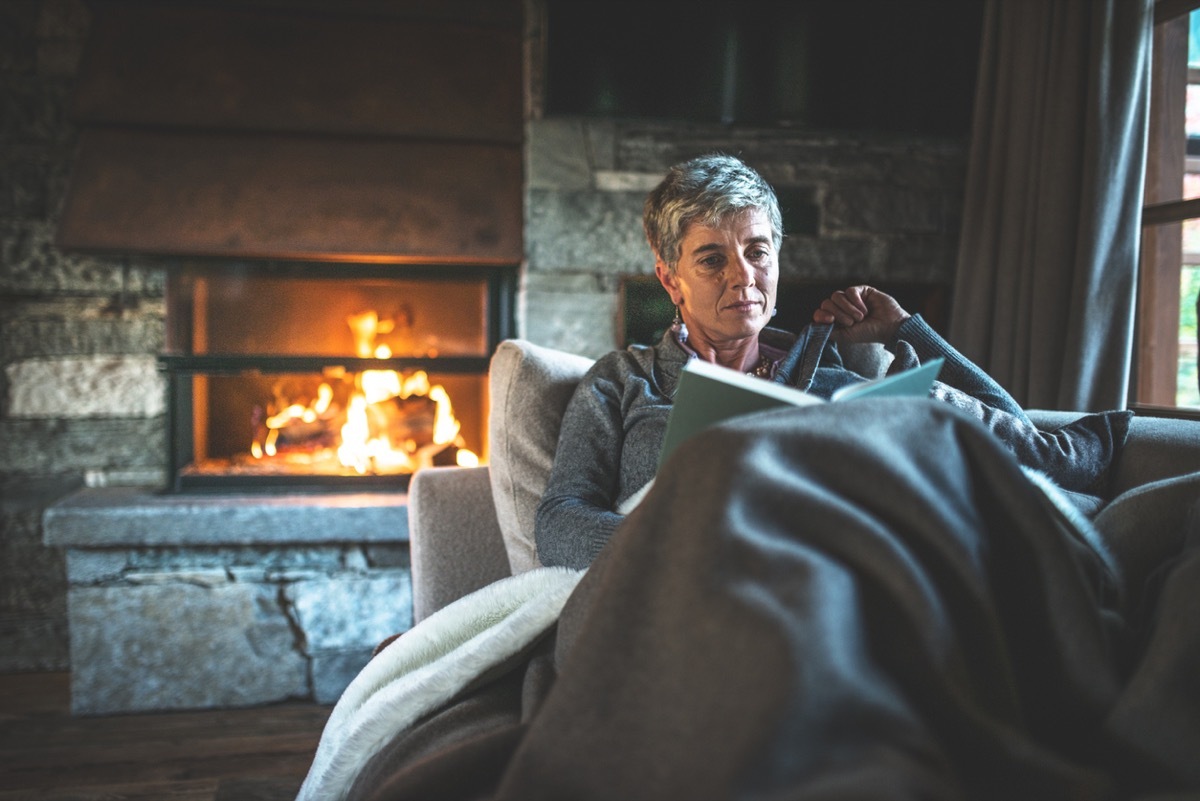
x: 741, y: 355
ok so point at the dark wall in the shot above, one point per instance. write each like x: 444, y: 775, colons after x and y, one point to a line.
x: 870, y: 65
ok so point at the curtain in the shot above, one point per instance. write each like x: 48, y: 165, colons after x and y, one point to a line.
x: 1045, y: 288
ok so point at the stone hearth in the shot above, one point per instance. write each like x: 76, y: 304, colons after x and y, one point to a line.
x: 179, y: 602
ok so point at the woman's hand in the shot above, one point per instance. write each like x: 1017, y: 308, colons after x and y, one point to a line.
x: 861, y: 314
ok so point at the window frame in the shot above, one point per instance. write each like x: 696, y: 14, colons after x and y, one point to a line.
x: 1161, y: 263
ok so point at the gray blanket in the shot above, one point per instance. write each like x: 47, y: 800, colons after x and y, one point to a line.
x: 861, y: 600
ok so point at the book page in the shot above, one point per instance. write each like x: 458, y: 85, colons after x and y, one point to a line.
x: 709, y: 393
x: 911, y: 383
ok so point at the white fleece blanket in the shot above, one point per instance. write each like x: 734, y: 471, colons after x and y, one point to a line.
x: 429, y: 665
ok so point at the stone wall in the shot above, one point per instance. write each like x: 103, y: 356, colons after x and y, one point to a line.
x: 180, y: 602
x: 81, y: 403
x: 856, y: 208
x: 80, y: 399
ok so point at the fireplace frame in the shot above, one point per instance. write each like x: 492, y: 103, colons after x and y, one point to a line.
x: 500, y: 283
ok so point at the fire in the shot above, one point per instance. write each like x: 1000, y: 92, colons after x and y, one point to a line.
x: 366, y: 445
x: 388, y: 422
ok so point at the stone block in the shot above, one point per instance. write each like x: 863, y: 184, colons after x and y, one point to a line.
x: 575, y: 313
x: 79, y: 326
x: 649, y: 148
x: 557, y: 155
x: 817, y: 259
x: 43, y: 446
x: 252, y: 562
x: 180, y: 646
x: 387, y: 555
x: 349, y: 611
x: 126, y: 477
x: 95, y: 567
x: 31, y: 262
x: 332, y: 672
x: 880, y: 210
x: 355, y: 559
x: 601, y: 142
x: 616, y: 181
x: 134, y: 517
x: 208, y: 579
x: 86, y: 386
x: 578, y: 231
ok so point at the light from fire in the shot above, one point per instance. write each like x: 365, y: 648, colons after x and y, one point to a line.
x: 373, y: 422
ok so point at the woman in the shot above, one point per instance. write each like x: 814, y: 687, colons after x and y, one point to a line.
x: 715, y: 228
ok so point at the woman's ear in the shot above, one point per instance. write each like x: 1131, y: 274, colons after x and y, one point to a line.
x: 668, y: 280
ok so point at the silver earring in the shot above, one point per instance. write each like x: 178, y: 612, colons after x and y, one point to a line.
x: 679, y: 327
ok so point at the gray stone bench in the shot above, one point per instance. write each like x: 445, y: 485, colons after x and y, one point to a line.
x: 193, y: 601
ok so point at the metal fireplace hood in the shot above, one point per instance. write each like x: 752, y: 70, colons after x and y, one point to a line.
x: 387, y: 132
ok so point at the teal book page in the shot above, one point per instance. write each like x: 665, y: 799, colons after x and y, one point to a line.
x: 709, y: 394
x: 911, y: 383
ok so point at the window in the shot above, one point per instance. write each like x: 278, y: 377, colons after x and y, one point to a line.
x: 1166, y: 357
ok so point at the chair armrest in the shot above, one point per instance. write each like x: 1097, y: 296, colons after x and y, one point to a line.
x: 454, y: 540
x: 1156, y: 448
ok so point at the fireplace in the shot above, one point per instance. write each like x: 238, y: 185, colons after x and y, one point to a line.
x: 328, y: 376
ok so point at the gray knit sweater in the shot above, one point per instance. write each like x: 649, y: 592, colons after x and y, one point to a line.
x: 613, y: 427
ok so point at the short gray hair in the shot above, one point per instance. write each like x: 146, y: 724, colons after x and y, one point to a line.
x: 706, y: 189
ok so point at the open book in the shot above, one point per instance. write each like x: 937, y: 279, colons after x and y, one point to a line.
x: 709, y: 394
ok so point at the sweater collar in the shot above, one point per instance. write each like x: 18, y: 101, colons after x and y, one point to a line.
x: 671, y: 355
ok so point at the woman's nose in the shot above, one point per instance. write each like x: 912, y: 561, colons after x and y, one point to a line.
x: 742, y: 273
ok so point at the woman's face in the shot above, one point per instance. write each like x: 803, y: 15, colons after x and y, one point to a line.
x: 726, y: 279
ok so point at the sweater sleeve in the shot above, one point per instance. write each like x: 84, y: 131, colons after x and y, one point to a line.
x: 957, y: 371
x: 575, y: 517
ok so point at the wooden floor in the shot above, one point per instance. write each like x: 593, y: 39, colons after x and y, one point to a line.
x: 259, y: 754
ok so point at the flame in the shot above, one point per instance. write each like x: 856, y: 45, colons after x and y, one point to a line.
x: 379, y: 385
x: 445, y: 427
x: 356, y: 447
x: 364, y: 328
x: 365, y: 442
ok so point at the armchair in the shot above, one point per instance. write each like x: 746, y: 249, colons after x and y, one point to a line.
x: 469, y: 527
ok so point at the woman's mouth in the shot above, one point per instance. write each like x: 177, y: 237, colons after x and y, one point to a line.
x: 745, y: 306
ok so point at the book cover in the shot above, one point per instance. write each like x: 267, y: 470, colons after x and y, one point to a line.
x: 709, y: 394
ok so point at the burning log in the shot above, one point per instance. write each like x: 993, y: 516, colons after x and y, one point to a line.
x: 388, y: 422
x: 406, y: 422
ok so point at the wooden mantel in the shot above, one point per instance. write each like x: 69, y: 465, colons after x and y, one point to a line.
x: 260, y: 131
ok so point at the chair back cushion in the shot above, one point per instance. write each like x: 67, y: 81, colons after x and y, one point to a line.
x: 530, y: 386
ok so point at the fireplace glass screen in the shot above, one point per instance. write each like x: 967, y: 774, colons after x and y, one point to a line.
x: 328, y: 376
